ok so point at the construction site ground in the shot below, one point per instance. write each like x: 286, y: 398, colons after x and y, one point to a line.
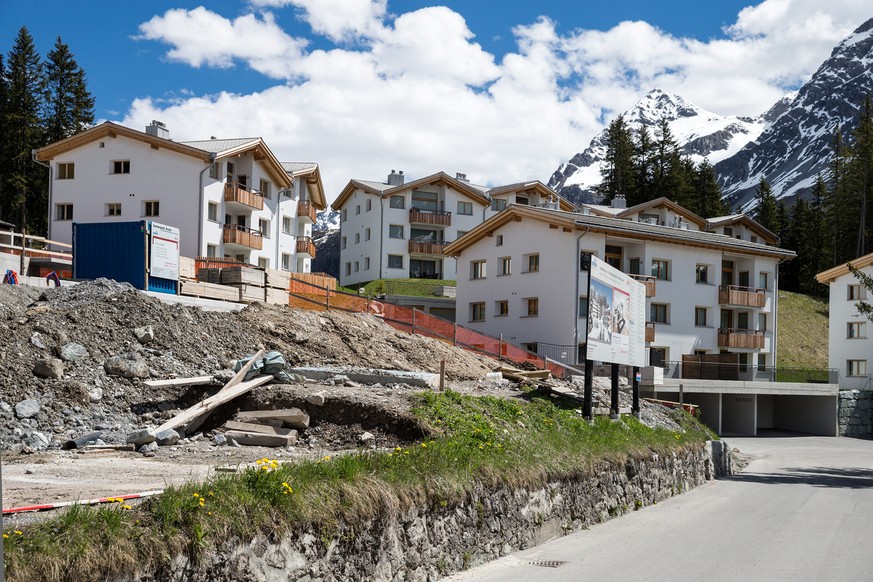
x: 78, y: 396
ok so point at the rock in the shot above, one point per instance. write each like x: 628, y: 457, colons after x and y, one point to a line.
x: 148, y: 448
x: 95, y: 395
x: 142, y: 437
x: 167, y: 437
x: 316, y: 398
x: 219, y: 440
x: 48, y: 368
x: 129, y: 365
x: 73, y: 352
x: 367, y: 438
x: 144, y: 334
x: 36, y: 340
x: 36, y: 441
x: 27, y: 409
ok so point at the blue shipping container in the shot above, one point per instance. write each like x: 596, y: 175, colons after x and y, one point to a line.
x: 116, y: 250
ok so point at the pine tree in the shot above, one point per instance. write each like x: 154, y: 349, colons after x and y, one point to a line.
x: 618, y: 168
x: 864, y: 307
x: 643, y: 150
x: 766, y: 210
x: 664, y: 160
x: 22, y: 177
x: 70, y: 107
x: 860, y: 173
x: 709, y: 201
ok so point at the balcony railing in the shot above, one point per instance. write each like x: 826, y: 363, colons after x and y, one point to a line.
x: 648, y: 281
x: 437, y: 217
x: 241, y: 194
x: 742, y: 296
x: 234, y: 234
x: 305, y: 209
x: 305, y: 246
x: 740, y: 338
x: 650, y: 332
x: 427, y: 248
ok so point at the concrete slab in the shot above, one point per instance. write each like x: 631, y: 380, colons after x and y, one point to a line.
x: 744, y: 387
x: 204, y: 304
x: 372, y: 376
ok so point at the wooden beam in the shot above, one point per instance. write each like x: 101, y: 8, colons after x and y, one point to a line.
x: 262, y: 440
x: 170, y: 382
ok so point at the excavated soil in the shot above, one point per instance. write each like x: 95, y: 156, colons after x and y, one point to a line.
x: 55, y: 386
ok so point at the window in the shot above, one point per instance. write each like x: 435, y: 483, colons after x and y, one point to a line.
x: 66, y: 171
x: 762, y: 322
x: 657, y: 357
x: 856, y: 367
x: 366, y: 263
x: 499, y: 240
x: 754, y: 239
x: 583, y: 307
x: 661, y: 269
x: 357, y: 209
x: 425, y: 200
x: 856, y: 293
x: 286, y: 262
x: 211, y: 250
x: 533, y: 263
x: 215, y: 170
x: 856, y: 330
x: 743, y: 320
x: 764, y: 280
x: 498, y: 204
x: 395, y: 261
x: 728, y: 231
x: 263, y: 262
x: 395, y: 231
x: 533, y: 306
x: 357, y: 266
x: 357, y: 237
x: 348, y: 269
x: 369, y: 204
x: 505, y: 265
x: 658, y: 313
x: 367, y: 233
x: 465, y: 208
x: 286, y: 224
x: 585, y: 260
x: 501, y: 308
x: 343, y: 243
x: 266, y: 191
x: 477, y: 270
x: 397, y: 202
x: 700, y: 316
x: 344, y: 215
x: 121, y: 167
x: 212, y: 212
x: 113, y: 209
x: 63, y: 212
x: 264, y: 227
x: 702, y: 274
x: 477, y: 312
x: 151, y: 208
x: 762, y: 362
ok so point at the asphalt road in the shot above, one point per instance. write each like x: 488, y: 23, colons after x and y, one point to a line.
x: 801, y: 510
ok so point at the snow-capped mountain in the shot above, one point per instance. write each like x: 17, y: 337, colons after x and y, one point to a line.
x: 327, y: 219
x: 700, y: 134
x: 798, y: 145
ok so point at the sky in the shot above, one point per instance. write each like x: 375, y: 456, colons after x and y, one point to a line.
x: 503, y: 91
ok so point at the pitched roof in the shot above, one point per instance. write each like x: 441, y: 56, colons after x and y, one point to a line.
x: 471, y: 191
x: 535, y: 186
x: 219, y: 146
x: 312, y: 173
x: 573, y: 221
x: 745, y: 220
x: 662, y: 201
x: 834, y: 273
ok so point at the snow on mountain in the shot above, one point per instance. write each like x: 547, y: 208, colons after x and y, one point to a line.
x: 797, y: 146
x: 327, y: 220
x: 700, y: 133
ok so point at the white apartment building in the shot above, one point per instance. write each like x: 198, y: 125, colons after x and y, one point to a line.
x: 228, y: 197
x: 850, y: 347
x: 397, y: 230
x: 710, y: 285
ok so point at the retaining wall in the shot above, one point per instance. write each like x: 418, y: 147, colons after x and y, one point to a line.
x: 429, y: 542
x: 856, y: 413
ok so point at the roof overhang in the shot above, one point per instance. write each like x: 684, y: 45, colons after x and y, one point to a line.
x: 832, y: 274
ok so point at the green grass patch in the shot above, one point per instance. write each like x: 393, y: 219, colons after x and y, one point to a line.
x: 802, y: 335
x: 475, y: 441
x: 407, y: 287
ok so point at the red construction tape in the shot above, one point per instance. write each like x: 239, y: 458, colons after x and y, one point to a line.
x: 110, y: 499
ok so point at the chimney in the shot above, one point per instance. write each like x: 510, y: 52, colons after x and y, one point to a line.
x: 619, y: 201
x: 395, y: 179
x: 158, y: 129
x: 461, y: 177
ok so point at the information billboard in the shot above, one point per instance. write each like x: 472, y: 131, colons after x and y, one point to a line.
x: 164, y: 255
x: 616, y: 316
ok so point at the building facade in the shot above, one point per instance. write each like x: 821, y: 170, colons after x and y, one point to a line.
x: 523, y: 276
x: 398, y: 230
x: 229, y: 197
x: 850, y: 346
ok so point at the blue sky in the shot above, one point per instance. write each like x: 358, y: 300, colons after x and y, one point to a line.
x: 500, y: 90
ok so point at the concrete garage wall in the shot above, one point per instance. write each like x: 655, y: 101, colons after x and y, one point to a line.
x: 710, y: 408
x: 738, y: 414
x: 765, y: 411
x: 807, y: 414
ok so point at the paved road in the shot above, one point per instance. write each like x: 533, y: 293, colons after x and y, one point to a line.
x: 801, y: 511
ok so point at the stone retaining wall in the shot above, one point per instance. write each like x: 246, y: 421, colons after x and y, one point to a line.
x: 429, y: 542
x: 856, y: 413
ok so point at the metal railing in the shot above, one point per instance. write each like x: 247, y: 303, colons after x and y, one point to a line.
x: 751, y: 373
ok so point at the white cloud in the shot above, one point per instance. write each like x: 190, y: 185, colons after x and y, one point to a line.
x: 416, y: 92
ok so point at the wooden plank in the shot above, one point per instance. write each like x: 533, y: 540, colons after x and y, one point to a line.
x: 261, y: 440
x: 258, y: 428
x: 208, y: 290
x: 202, y: 409
x: 293, y: 417
x: 236, y: 275
x: 170, y: 382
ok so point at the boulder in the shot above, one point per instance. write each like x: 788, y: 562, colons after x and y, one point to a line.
x: 316, y: 398
x: 167, y: 437
x: 36, y: 441
x: 73, y: 352
x: 95, y: 395
x: 27, y: 409
x: 129, y: 365
x: 142, y: 437
x: 48, y: 368
x: 144, y: 334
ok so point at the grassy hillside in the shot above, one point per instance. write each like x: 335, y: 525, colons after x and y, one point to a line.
x: 802, y: 339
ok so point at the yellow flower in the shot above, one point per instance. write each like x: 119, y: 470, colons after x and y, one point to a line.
x: 126, y: 507
x: 424, y: 445
x: 18, y: 532
x: 6, y: 536
x: 196, y: 495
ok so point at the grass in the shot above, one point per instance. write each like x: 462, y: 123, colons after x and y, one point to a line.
x: 475, y: 441
x: 407, y: 287
x: 802, y: 340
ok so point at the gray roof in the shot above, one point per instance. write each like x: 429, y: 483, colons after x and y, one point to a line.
x: 292, y: 167
x: 727, y: 218
x: 216, y: 146
x: 380, y: 186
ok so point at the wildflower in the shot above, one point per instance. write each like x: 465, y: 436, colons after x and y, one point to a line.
x: 424, y: 445
x: 126, y: 507
x: 18, y: 532
x: 6, y: 536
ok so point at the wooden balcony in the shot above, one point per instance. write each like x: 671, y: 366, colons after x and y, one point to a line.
x: 437, y: 217
x: 741, y: 338
x: 240, y: 194
x: 305, y: 209
x: 427, y: 248
x: 234, y: 234
x: 648, y: 281
x: 650, y: 332
x: 305, y: 246
x: 741, y: 296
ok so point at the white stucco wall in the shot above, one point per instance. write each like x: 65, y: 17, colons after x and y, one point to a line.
x: 841, y: 348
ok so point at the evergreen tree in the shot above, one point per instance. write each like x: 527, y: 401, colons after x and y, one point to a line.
x: 618, y: 170
x: 864, y: 307
x: 766, y: 210
x: 709, y: 201
x: 70, y: 107
x: 644, y: 150
x: 664, y: 160
x: 22, y: 177
x: 860, y: 176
